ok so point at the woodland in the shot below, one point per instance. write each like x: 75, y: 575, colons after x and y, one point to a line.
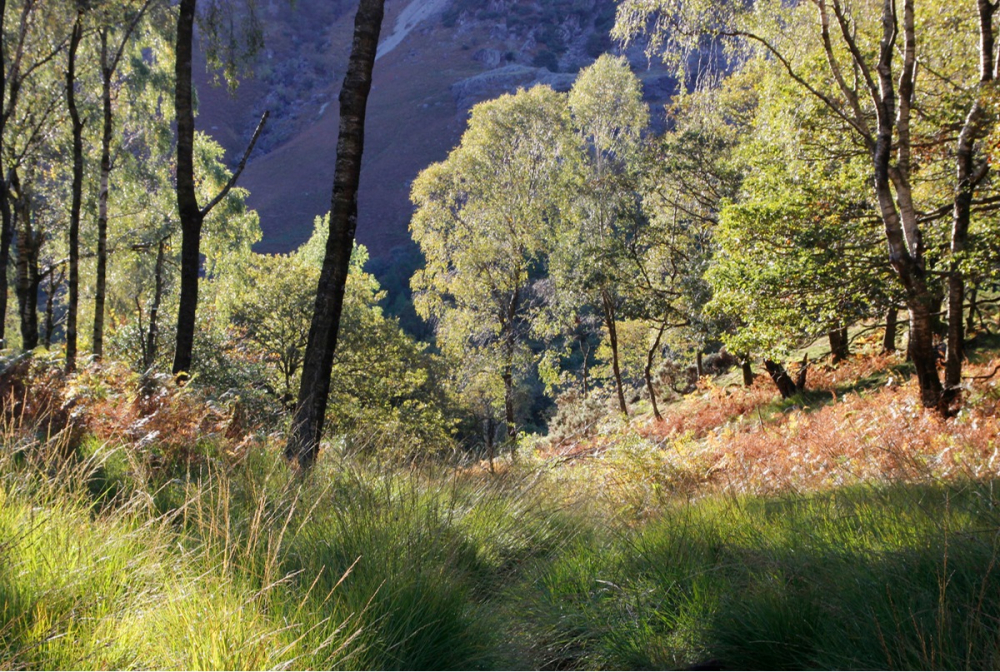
x: 719, y: 396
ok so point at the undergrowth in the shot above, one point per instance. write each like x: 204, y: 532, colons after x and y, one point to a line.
x: 138, y: 529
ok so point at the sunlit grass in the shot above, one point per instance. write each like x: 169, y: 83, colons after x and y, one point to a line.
x: 648, y: 552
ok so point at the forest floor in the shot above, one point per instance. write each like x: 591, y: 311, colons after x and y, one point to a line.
x: 845, y: 528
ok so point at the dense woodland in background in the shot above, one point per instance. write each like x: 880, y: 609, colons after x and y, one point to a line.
x: 826, y: 166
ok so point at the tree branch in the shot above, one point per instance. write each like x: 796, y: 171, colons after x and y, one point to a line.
x: 239, y: 169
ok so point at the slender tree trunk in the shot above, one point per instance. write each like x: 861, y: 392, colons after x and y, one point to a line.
x: 152, y: 337
x: 609, y: 323
x: 648, y: 371
x: 29, y: 242
x: 50, y: 300
x: 699, y: 365
x: 100, y: 285
x: 109, y: 64
x: 839, y: 344
x: 889, y: 338
x: 307, y: 425
x: 892, y: 187
x: 585, y: 350
x: 73, y: 304
x: 508, y: 403
x: 490, y: 427
x: 968, y: 176
x: 187, y: 199
x: 6, y: 216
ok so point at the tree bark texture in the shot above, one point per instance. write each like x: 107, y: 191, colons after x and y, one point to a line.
x: 26, y: 287
x: 29, y: 243
x: 109, y: 64
x: 307, y: 426
x: 76, y: 201
x: 55, y: 282
x: 968, y: 176
x: 901, y: 226
x: 100, y: 284
x: 6, y: 215
x: 970, y: 323
x: 786, y: 386
x: 187, y: 199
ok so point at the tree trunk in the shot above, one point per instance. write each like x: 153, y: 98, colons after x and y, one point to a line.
x: 922, y: 352
x: 648, y: 371
x: 100, y: 285
x: 786, y: 386
x: 491, y: 442
x: 889, y: 338
x: 72, y: 307
x: 28, y: 245
x: 152, y: 337
x: 307, y: 426
x: 698, y: 365
x: 508, y: 403
x: 970, y: 323
x: 585, y: 350
x: 968, y: 176
x: 609, y: 323
x: 6, y: 216
x: 839, y: 344
x: 747, y: 371
x: 50, y: 298
x: 187, y: 200
x: 956, y: 329
x: 892, y: 187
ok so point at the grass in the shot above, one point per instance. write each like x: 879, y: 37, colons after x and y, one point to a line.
x: 895, y: 578
x: 740, y: 533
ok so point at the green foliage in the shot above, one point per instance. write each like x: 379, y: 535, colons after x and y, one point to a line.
x: 483, y: 222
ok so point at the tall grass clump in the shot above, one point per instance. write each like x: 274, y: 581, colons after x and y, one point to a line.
x: 248, y: 565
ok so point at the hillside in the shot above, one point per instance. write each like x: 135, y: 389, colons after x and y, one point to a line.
x: 437, y: 59
x: 146, y: 525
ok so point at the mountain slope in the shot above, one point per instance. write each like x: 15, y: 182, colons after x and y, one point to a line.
x: 437, y: 59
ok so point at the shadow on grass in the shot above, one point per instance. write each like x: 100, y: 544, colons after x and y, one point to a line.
x: 901, y: 577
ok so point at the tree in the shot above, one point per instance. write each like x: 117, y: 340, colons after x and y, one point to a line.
x: 76, y: 204
x: 799, y: 253
x: 307, y: 426
x: 28, y: 102
x: 483, y: 221
x: 275, y: 310
x: 192, y: 215
x: 861, y: 63
x: 110, y: 59
x: 609, y: 115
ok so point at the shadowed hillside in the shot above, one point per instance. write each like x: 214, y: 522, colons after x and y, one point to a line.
x: 445, y: 56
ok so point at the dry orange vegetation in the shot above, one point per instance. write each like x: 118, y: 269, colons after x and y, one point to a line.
x: 860, y: 422
x: 114, y: 406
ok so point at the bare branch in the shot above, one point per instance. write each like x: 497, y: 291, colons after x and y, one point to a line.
x: 239, y: 169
